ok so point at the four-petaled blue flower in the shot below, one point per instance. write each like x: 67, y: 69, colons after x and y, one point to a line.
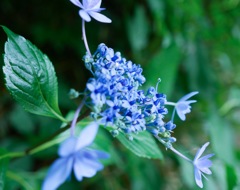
x: 91, y: 8
x: 183, y: 105
x: 201, y: 165
x: 75, y: 154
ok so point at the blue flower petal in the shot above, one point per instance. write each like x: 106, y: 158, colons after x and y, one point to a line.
x: 84, y: 15
x: 58, y: 173
x: 187, y: 96
x: 183, y: 105
x: 201, y: 165
x: 206, y: 157
x: 67, y: 147
x: 85, y: 167
x: 99, y: 17
x: 98, y: 154
x: 204, y: 163
x: 87, y: 136
x: 200, y: 151
x: 206, y: 171
x: 77, y: 3
x: 198, y: 177
x: 92, y: 4
x: 181, y: 115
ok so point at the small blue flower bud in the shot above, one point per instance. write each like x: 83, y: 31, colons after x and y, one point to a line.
x: 151, y: 92
x: 170, y: 126
x: 172, y: 139
x: 127, y: 130
x: 116, y: 57
x: 162, y: 129
x: 153, y: 131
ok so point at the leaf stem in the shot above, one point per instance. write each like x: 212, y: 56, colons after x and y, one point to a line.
x: 36, y: 148
x: 32, y: 149
x: 12, y: 155
x: 59, y: 117
x: 85, y: 37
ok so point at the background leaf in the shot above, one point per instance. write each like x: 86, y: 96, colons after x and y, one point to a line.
x: 143, y: 145
x: 3, y: 168
x: 30, y: 76
x: 164, y: 64
x: 138, y: 29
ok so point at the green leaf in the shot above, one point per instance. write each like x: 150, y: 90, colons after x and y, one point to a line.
x: 3, y: 168
x: 163, y: 65
x: 142, y: 145
x: 18, y: 114
x: 30, y: 77
x: 219, y: 130
x: 231, y: 177
x: 138, y: 29
x: 25, y: 183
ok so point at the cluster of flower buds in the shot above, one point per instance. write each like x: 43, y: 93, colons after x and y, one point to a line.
x: 116, y: 99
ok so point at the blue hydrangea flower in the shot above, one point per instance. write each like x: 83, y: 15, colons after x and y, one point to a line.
x: 201, y: 165
x: 115, y: 98
x: 183, y: 105
x: 113, y: 92
x: 77, y: 156
x: 91, y: 8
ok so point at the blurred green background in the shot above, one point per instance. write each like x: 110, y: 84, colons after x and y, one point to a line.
x: 192, y: 45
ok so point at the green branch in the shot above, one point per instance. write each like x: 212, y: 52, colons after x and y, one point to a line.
x: 36, y: 148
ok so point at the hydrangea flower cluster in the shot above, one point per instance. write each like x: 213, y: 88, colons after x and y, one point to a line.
x: 117, y: 100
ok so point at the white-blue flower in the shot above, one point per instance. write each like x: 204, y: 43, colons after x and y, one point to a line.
x: 201, y: 165
x: 75, y: 155
x: 183, y: 105
x: 91, y: 8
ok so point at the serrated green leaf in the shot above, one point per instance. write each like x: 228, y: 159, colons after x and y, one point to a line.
x: 142, y: 145
x: 30, y: 77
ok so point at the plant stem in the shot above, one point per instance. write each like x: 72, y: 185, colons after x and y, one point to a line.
x: 74, y: 121
x: 12, y: 155
x: 170, y: 103
x: 180, y: 154
x: 172, y: 149
x: 34, y: 148
x: 31, y: 149
x: 85, y: 37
